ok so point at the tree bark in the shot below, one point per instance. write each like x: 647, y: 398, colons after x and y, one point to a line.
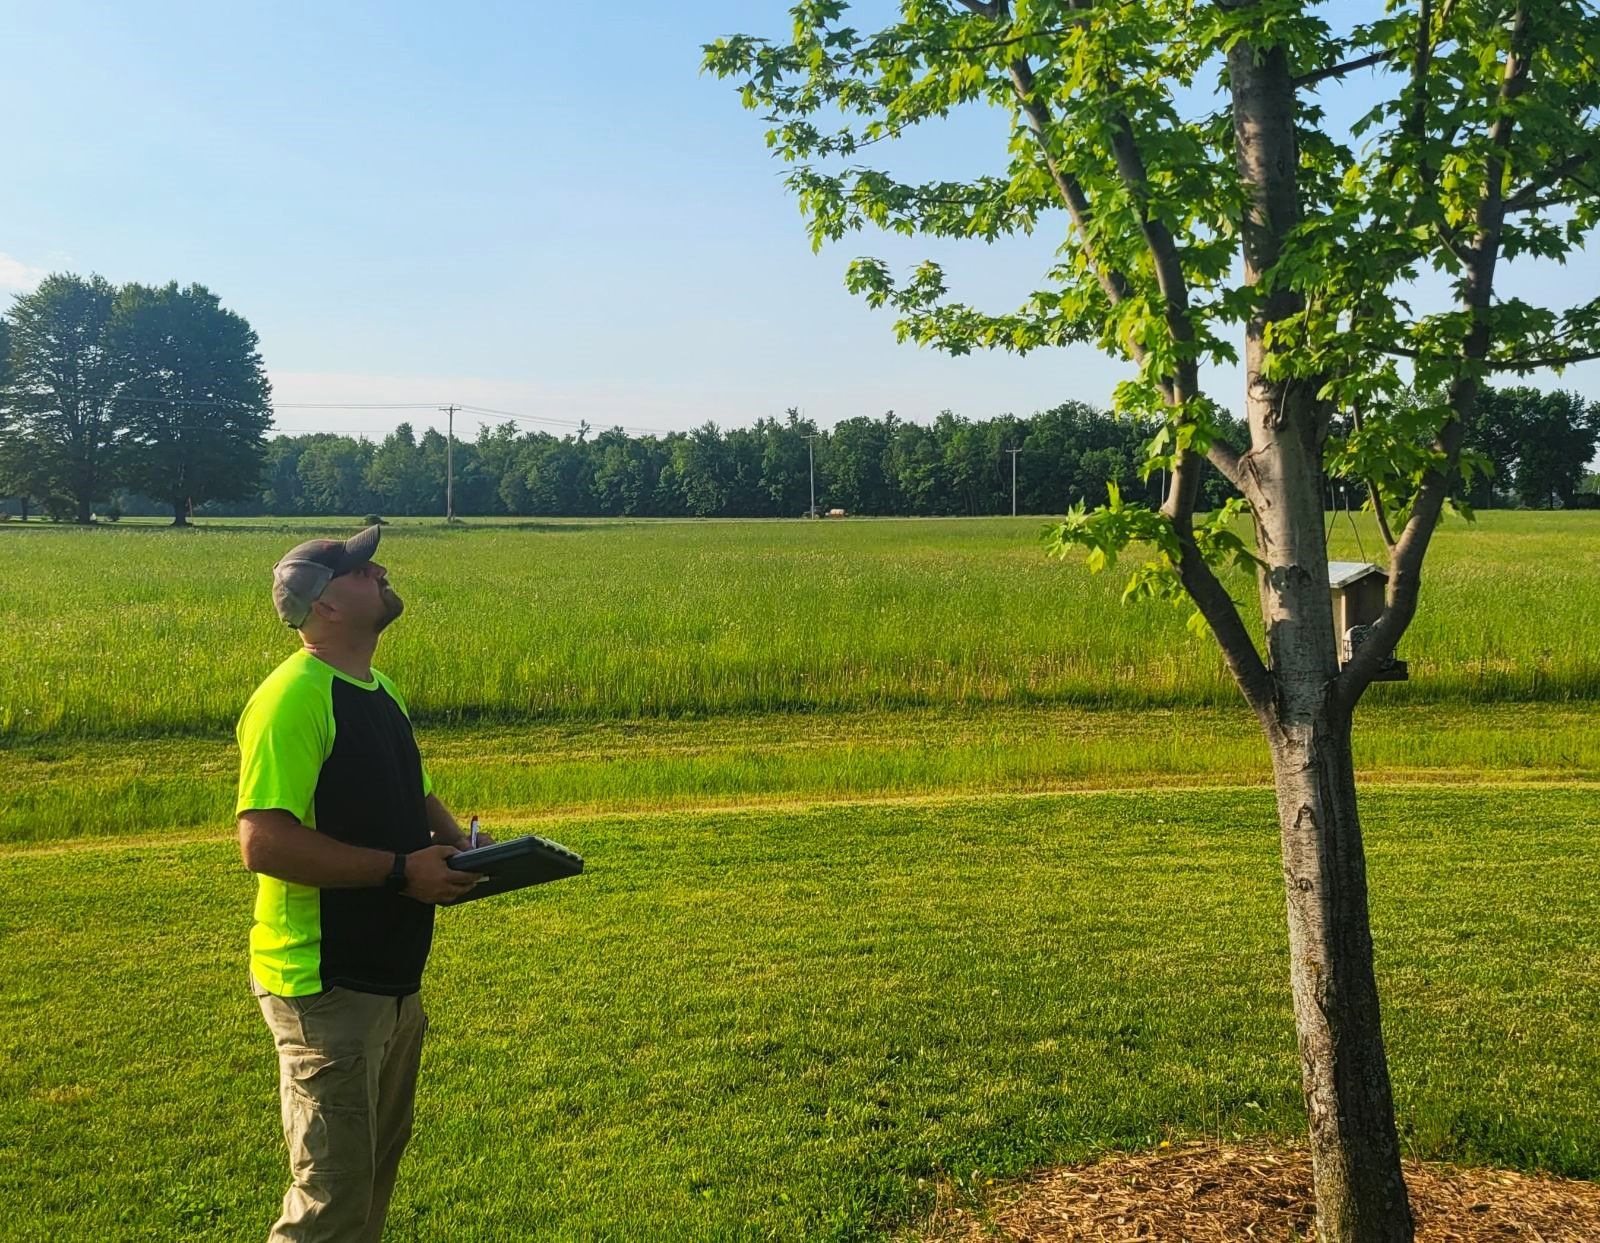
x: 1355, y: 1153
x: 85, y: 512
x: 180, y: 517
x: 1361, y: 1196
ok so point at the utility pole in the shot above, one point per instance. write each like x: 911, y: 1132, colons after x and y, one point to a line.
x: 450, y: 464
x: 811, y: 455
x: 1013, y: 453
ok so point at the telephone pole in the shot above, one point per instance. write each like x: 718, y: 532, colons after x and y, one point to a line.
x: 1013, y: 453
x: 811, y: 455
x: 450, y: 464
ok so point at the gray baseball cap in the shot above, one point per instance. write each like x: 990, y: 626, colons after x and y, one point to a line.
x: 306, y: 570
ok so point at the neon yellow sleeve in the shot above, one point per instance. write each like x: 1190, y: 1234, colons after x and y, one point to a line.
x: 285, y: 734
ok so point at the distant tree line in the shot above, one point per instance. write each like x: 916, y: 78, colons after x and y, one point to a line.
x: 152, y: 400
x: 862, y: 465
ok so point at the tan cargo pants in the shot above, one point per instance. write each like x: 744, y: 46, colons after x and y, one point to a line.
x: 347, y: 1065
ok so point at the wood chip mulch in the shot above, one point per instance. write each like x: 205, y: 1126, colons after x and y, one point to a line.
x: 1205, y: 1193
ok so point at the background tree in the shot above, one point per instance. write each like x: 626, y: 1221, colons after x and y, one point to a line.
x: 786, y: 463
x: 399, y: 478
x: 496, y: 453
x: 193, y: 395
x: 20, y: 476
x: 1186, y: 227
x: 915, y: 469
x: 281, y: 489
x: 1543, y: 442
x: 559, y: 476
x: 857, y: 452
x: 627, y: 474
x: 700, y: 472
x: 65, y: 423
x: 745, y: 494
x: 333, y: 475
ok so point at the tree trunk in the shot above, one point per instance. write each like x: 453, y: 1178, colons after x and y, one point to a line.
x: 180, y: 512
x: 1354, y: 1149
x: 1361, y: 1197
x: 85, y: 514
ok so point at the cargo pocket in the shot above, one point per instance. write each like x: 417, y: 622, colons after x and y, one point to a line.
x: 328, y: 1115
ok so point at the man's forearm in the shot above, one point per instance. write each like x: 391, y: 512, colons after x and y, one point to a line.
x: 275, y: 844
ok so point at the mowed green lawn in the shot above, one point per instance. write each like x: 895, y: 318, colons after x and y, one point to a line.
x: 145, y: 630
x: 916, y: 860
x: 792, y: 1023
x: 55, y: 789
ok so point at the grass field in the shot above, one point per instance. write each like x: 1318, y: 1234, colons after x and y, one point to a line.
x: 146, y: 630
x: 113, y: 787
x: 914, y: 860
x: 789, y: 1024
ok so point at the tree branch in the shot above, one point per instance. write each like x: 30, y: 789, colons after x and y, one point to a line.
x: 1210, y: 596
x: 1549, y: 201
x: 1548, y: 360
x: 1419, y: 91
x: 1375, y: 496
x: 1338, y: 71
x: 1112, y: 281
x: 1528, y: 196
x: 1230, y: 465
x: 1509, y: 364
x: 1157, y: 237
x: 1405, y: 567
x: 986, y: 45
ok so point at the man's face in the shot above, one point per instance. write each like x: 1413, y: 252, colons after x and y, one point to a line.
x: 363, y: 598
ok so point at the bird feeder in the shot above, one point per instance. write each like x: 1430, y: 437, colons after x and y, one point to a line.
x: 1357, y: 588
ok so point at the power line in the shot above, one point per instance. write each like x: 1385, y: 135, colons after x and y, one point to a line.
x: 276, y: 405
x: 545, y: 418
x: 482, y: 411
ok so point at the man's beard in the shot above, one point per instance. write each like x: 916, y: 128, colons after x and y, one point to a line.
x: 393, y: 606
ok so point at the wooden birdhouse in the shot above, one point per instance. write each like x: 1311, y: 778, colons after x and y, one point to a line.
x: 1358, y: 588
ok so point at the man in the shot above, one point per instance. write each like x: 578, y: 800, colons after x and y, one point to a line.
x: 338, y: 819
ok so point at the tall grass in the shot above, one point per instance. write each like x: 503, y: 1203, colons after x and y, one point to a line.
x: 149, y: 631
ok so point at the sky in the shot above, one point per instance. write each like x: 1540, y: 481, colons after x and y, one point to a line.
x: 535, y: 208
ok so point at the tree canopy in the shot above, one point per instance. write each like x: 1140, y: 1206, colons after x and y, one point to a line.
x: 157, y: 389
x: 1208, y: 212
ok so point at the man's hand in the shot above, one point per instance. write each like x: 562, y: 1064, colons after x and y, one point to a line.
x: 430, y: 879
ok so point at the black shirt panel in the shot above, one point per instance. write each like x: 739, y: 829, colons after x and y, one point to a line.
x: 370, y: 794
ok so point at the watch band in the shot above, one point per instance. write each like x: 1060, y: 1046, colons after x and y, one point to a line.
x: 395, y: 882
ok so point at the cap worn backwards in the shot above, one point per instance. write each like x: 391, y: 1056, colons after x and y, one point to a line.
x: 305, y: 571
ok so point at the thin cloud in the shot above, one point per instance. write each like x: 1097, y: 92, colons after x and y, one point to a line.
x: 17, y: 276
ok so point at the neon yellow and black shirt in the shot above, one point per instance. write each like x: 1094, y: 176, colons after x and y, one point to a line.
x: 339, y: 755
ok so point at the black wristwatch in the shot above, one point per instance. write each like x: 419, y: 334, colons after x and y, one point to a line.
x: 395, y: 882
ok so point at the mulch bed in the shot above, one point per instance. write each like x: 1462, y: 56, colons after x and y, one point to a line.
x: 1206, y: 1193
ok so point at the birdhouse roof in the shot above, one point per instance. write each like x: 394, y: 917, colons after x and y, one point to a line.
x: 1346, y: 573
